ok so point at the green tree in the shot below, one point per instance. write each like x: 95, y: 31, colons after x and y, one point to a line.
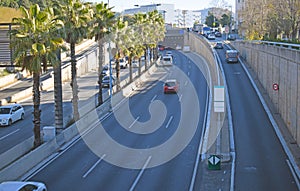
x: 102, y: 23
x: 76, y: 17
x: 35, y: 43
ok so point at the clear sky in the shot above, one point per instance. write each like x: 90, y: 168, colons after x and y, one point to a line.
x: 179, y: 4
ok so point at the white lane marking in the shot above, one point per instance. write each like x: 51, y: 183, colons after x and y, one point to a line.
x: 9, y: 134
x: 140, y: 174
x: 188, y: 73
x: 154, y: 97
x: 185, y: 83
x: 93, y: 167
x: 180, y: 98
x: 170, y: 120
x: 134, y: 122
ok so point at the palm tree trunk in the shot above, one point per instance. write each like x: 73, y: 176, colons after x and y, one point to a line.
x: 118, y: 73
x: 100, y: 67
x: 146, y: 58
x: 58, y: 102
x: 36, y: 109
x: 130, y: 68
x: 74, y: 84
x: 140, y: 66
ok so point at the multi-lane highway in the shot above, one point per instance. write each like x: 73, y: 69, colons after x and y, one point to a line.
x: 155, y: 163
x: 151, y: 140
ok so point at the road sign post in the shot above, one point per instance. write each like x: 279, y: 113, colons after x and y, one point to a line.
x: 214, y: 162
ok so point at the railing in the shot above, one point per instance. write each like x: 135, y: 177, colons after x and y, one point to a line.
x: 281, y: 44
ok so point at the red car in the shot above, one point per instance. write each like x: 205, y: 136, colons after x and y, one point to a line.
x: 171, y: 86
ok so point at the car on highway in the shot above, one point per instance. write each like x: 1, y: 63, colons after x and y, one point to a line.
x: 106, y: 81
x: 211, y: 37
x: 10, y: 114
x: 167, y: 60
x: 218, y: 45
x: 231, y: 37
x: 22, y: 186
x: 171, y: 86
x: 169, y: 53
x: 232, y: 56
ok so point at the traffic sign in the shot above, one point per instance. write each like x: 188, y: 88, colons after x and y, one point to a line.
x: 227, y: 29
x: 275, y: 87
x: 214, y: 162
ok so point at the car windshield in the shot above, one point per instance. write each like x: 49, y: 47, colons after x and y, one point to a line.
x: 106, y: 78
x: 4, y: 110
x: 167, y: 59
x: 170, y: 84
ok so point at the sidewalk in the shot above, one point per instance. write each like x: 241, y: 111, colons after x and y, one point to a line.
x: 22, y: 87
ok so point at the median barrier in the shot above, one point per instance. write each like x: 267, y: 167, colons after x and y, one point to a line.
x: 15, y: 152
x: 15, y: 170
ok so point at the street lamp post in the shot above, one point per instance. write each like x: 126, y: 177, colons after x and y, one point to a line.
x: 110, y: 67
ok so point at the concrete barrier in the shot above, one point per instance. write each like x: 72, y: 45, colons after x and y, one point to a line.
x: 28, y: 161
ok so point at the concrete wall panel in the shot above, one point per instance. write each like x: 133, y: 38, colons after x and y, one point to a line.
x: 273, y: 64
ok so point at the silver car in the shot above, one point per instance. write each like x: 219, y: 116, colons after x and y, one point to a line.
x: 10, y: 114
x: 20, y: 186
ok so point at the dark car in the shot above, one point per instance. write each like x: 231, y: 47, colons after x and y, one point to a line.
x: 232, y: 56
x: 231, y: 37
x: 106, y: 81
x: 218, y: 34
x: 105, y: 71
x: 219, y: 45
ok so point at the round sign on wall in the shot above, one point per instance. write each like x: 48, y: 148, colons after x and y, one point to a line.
x: 275, y: 87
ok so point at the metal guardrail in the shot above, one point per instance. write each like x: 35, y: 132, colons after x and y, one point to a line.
x: 281, y: 44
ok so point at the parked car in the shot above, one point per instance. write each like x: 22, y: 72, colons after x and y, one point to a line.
x: 231, y: 37
x: 22, y: 186
x: 135, y: 63
x: 105, y: 71
x: 106, y: 81
x: 123, y: 63
x: 232, y: 56
x: 218, y: 34
x: 211, y: 37
x: 171, y: 86
x: 10, y: 114
x: 219, y: 45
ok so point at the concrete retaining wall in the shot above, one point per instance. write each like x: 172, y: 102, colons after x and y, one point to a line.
x: 273, y: 64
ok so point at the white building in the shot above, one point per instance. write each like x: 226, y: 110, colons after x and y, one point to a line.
x: 167, y: 10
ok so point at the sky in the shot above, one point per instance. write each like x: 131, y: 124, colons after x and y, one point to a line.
x: 120, y: 5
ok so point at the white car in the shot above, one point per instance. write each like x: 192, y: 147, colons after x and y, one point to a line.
x: 20, y: 186
x: 10, y: 114
x: 135, y: 64
x: 211, y: 37
x: 123, y: 63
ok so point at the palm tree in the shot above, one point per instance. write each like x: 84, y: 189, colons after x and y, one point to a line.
x: 35, y: 43
x: 76, y: 17
x: 118, y: 36
x: 102, y: 22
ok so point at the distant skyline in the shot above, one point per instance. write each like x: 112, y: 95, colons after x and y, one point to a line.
x: 120, y: 5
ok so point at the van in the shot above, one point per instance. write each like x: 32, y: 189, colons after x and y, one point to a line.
x: 167, y: 61
x: 232, y: 56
